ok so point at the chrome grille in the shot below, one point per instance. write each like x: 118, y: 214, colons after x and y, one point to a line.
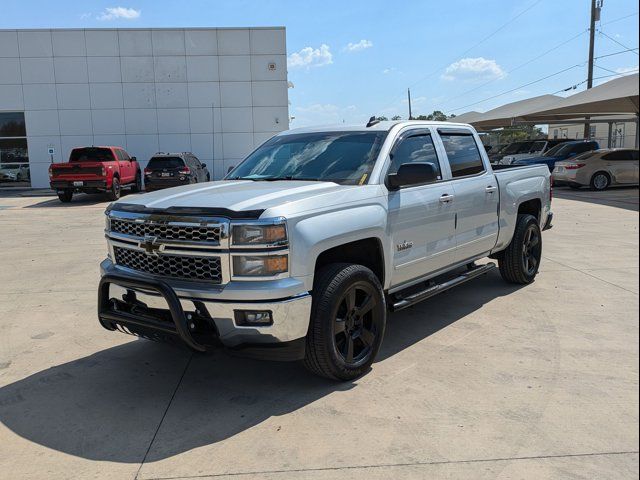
x: 175, y: 266
x: 196, y: 233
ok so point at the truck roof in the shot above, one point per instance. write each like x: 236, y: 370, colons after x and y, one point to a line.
x: 380, y: 126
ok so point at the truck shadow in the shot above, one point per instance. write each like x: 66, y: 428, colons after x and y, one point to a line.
x: 107, y: 406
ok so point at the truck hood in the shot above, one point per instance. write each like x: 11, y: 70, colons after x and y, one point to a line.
x: 237, y: 195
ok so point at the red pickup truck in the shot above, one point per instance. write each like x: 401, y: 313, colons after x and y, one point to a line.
x: 94, y: 170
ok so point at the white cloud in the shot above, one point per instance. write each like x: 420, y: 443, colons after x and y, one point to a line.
x: 84, y: 16
x: 361, y: 45
x: 311, y: 57
x: 114, y: 13
x: 474, y: 69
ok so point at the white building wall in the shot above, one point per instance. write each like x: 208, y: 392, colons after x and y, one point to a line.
x: 624, y: 133
x: 215, y: 92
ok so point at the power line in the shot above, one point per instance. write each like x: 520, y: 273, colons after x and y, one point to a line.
x: 614, y: 40
x: 542, y: 79
x: 619, y: 18
x: 518, y: 67
x: 429, y: 75
x: 616, y: 53
x: 517, y: 88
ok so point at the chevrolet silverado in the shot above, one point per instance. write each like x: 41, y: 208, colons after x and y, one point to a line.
x: 305, y: 247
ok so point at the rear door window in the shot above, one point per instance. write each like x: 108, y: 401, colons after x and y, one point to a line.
x: 168, y: 163
x: 463, y: 154
x: 91, y: 154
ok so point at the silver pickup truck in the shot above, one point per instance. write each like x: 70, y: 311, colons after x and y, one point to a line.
x: 305, y: 246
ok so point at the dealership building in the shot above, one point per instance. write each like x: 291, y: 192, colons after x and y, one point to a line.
x: 216, y: 92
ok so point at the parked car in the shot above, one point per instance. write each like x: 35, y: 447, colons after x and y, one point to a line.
x: 510, y: 149
x: 14, y: 172
x: 599, y: 169
x: 94, y: 170
x: 166, y: 170
x: 560, y: 152
x: 537, y: 148
x: 302, y: 249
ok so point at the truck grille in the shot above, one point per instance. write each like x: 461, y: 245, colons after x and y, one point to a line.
x: 175, y: 266
x: 167, y: 231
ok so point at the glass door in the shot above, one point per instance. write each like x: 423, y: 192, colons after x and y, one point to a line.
x: 14, y: 157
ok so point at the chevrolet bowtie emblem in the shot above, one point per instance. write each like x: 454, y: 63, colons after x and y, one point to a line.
x: 151, y: 246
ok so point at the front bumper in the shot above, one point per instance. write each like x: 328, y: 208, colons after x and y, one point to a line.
x: 151, y: 307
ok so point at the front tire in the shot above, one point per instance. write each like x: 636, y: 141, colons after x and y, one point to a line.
x: 65, y: 196
x: 137, y: 186
x: 114, y: 192
x: 600, y: 181
x: 520, y: 261
x: 348, y: 318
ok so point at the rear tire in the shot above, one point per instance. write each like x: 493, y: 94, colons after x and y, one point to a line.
x: 348, y: 318
x: 65, y: 196
x: 520, y: 261
x: 600, y: 181
x: 114, y: 192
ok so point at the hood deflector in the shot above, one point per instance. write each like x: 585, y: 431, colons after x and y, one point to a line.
x: 195, y: 211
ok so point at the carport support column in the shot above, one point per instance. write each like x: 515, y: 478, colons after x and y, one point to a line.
x: 637, y: 130
x: 609, y: 136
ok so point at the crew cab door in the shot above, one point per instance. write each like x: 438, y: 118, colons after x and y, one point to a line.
x: 421, y: 217
x: 476, y: 194
x: 127, y: 167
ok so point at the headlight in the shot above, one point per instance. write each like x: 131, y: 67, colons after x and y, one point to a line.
x: 259, y: 234
x: 259, y: 265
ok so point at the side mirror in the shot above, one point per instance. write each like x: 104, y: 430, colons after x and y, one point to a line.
x: 230, y: 168
x: 133, y: 159
x: 204, y: 165
x: 412, y: 174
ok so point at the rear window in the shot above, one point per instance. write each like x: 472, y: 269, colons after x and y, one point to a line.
x: 91, y: 154
x: 160, y: 163
x: 464, y: 156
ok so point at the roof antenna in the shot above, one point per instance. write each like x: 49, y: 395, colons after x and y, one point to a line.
x: 372, y: 122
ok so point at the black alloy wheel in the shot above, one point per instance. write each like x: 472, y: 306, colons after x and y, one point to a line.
x: 355, y: 326
x: 531, y: 250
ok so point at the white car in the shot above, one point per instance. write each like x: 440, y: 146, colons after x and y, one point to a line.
x: 304, y: 248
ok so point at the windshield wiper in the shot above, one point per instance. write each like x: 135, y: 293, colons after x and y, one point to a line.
x: 291, y: 177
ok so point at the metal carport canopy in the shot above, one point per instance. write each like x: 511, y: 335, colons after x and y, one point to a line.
x: 618, y: 96
x: 504, y: 116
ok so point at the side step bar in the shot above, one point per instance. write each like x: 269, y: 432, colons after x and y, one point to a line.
x: 441, y: 287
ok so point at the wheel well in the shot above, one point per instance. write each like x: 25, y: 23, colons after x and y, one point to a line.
x: 366, y: 252
x: 531, y: 207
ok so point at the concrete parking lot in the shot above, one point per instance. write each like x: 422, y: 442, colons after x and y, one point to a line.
x: 486, y: 381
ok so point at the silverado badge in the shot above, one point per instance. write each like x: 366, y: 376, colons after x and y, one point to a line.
x: 404, y: 246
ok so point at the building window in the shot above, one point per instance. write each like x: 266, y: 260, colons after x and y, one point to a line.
x: 14, y: 156
x: 555, y: 133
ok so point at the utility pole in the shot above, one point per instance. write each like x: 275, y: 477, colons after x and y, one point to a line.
x: 409, y: 100
x: 596, y: 6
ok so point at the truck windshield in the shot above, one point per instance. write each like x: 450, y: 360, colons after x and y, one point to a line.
x: 346, y: 158
x: 517, y: 147
x: 92, y: 154
x: 157, y: 163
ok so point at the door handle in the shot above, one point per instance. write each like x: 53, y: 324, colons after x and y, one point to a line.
x: 491, y: 189
x: 446, y: 198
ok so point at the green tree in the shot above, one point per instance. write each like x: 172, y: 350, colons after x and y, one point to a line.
x: 396, y: 117
x: 382, y: 119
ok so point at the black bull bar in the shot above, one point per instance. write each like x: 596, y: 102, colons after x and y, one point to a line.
x: 142, y: 320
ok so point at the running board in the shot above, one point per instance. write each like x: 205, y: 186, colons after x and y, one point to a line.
x: 441, y: 287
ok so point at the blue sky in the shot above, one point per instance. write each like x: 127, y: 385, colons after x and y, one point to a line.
x: 352, y: 59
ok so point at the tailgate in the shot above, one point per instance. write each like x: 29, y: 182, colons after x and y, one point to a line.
x: 78, y: 170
